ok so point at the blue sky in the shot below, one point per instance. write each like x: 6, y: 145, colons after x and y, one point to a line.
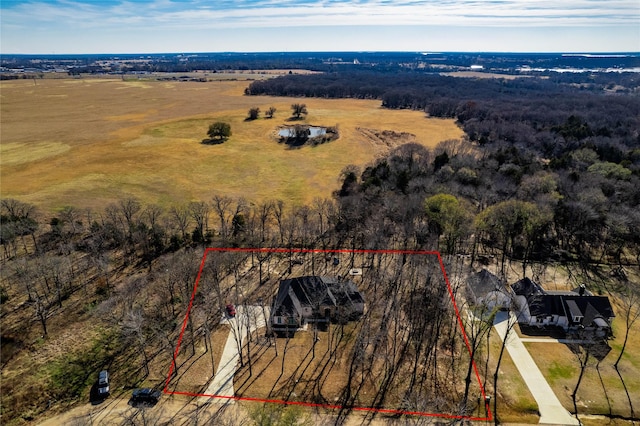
x: 154, y: 26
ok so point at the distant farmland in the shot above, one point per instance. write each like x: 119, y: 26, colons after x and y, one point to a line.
x: 87, y: 142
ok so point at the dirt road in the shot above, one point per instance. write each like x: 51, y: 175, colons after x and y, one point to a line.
x: 174, y: 410
x: 183, y: 411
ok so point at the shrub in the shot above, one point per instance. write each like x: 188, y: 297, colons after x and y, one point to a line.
x: 254, y: 113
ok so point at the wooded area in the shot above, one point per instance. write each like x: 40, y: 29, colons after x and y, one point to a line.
x: 571, y: 152
x: 549, y: 173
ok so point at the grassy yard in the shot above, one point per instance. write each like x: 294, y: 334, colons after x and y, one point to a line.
x: 88, y: 142
x: 515, y: 402
x: 601, y: 390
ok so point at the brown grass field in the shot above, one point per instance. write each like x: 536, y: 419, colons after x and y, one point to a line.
x: 87, y: 142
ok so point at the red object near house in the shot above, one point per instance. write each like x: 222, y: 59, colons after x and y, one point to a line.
x: 231, y: 310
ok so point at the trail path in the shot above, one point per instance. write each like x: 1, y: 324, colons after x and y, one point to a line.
x: 551, y: 410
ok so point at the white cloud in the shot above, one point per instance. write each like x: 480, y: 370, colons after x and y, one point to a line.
x: 29, y: 22
x: 276, y: 13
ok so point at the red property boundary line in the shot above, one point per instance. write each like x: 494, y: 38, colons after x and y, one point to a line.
x: 489, y: 416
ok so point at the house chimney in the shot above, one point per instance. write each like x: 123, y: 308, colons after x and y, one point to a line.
x: 581, y: 290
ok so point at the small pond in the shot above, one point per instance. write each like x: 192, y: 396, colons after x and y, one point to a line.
x: 314, y: 131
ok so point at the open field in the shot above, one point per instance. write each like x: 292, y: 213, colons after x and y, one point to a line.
x: 87, y: 142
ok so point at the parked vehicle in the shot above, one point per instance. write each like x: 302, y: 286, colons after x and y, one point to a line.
x: 145, y: 396
x: 103, y: 384
x: 231, y: 310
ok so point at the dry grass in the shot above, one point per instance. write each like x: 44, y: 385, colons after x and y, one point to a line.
x: 196, y: 371
x: 561, y: 368
x: 87, y: 142
x: 295, y: 373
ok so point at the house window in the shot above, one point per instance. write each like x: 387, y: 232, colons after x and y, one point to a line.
x: 279, y: 320
x: 292, y: 321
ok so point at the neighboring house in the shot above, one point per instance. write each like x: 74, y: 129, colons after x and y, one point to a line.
x: 486, y: 290
x: 577, y: 312
x: 314, y: 299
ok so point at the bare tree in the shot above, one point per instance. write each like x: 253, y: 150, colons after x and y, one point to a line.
x: 631, y: 308
x: 239, y: 219
x: 130, y: 208
x: 152, y: 214
x: 19, y: 220
x: 115, y: 223
x: 279, y: 214
x: 133, y: 326
x: 478, y: 322
x: 70, y: 217
x: 200, y: 214
x: 222, y: 205
x: 509, y: 328
x: 25, y: 275
x: 264, y: 212
x: 270, y: 112
x: 582, y: 353
x: 42, y: 312
x: 180, y: 214
x: 299, y: 110
x: 54, y: 270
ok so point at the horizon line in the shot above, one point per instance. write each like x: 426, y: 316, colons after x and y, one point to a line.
x: 417, y: 52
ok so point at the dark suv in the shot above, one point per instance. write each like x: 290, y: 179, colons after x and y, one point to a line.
x: 103, y: 384
x: 145, y: 396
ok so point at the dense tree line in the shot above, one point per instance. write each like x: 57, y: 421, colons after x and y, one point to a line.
x: 520, y: 209
x: 418, y: 90
x: 571, y: 153
x: 382, y: 62
x: 521, y: 122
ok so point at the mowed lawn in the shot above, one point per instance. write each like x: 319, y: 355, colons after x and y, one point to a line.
x: 88, y: 142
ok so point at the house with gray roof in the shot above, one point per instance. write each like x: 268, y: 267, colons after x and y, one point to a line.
x: 487, y: 291
x: 577, y: 312
x: 316, y: 300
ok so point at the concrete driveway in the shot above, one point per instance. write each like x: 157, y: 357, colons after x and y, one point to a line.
x: 248, y: 318
x: 550, y: 408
